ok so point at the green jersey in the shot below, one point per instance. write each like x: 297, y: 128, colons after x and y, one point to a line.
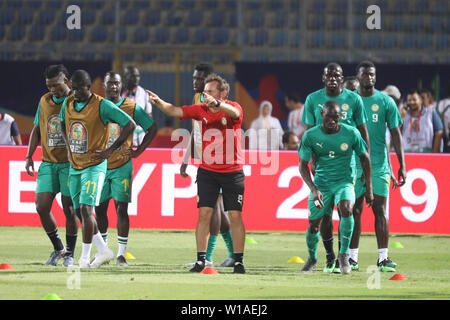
x: 333, y: 154
x: 381, y: 111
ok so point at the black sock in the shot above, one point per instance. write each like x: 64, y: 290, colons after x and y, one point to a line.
x: 328, y: 244
x: 201, y: 256
x: 56, y: 240
x: 239, y: 257
x: 71, y: 241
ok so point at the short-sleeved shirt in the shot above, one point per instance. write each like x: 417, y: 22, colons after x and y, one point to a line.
x: 381, y: 111
x: 333, y: 154
x: 221, y: 137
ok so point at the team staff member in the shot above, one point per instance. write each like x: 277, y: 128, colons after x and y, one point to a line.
x: 218, y: 170
x: 84, y: 121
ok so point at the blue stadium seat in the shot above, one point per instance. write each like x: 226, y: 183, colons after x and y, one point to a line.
x: 316, y: 21
x: 357, y: 40
x: 108, y: 17
x: 319, y: 6
x: 416, y: 23
x: 7, y: 16
x: 89, y: 52
x: 201, y: 36
x: 409, y: 41
x: 424, y: 42
x: 232, y: 21
x: 54, y: 4
x: 69, y: 51
x: 99, y: 34
x: 76, y: 35
x: 26, y: 16
x: 2, y: 32
x: 27, y: 51
x: 58, y: 33
x: 188, y: 4
x: 359, y: 7
x: 35, y: 4
x: 231, y: 4
x: 341, y: 6
x: 162, y: 35
x: 37, y: 32
x: 16, y: 33
x: 257, y: 19
x: 217, y: 19
x: 141, y: 35
x: 152, y: 18
x: 221, y: 36
x: 182, y: 35
x: 398, y: 23
x: 223, y: 58
x: 48, y: 48
x: 443, y: 42
x: 147, y: 57
x: 124, y: 4
x: 88, y: 17
x: 442, y: 7
x: 47, y: 16
x: 294, y: 5
x: 17, y: 4
x: 374, y: 41
x: 253, y: 5
x: 174, y: 18
x: 166, y: 4
x: 422, y: 6
x: 276, y: 5
x: 281, y: 19
x: 141, y: 4
x: 261, y: 37
x: 401, y: 6
x: 295, y: 39
x: 123, y: 34
x: 337, y: 40
x: 436, y: 24
x: 390, y: 41
x: 280, y: 38
x: 96, y: 4
x: 195, y: 18
x: 210, y: 4
x: 338, y: 22
x: 130, y: 17
x: 317, y: 39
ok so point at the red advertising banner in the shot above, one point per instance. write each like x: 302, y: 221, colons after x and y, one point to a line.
x: 275, y: 196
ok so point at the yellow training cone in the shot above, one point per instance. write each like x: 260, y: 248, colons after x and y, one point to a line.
x: 250, y: 240
x: 129, y: 256
x: 296, y: 259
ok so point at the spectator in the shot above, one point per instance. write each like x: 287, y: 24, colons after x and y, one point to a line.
x: 290, y: 141
x: 268, y: 129
x: 422, y: 127
x: 133, y: 91
x: 9, y: 131
x: 443, y: 107
x: 295, y: 123
x: 167, y: 129
x: 427, y: 98
x: 351, y: 83
x: 394, y: 93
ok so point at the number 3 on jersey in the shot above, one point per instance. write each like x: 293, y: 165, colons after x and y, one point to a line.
x: 331, y: 154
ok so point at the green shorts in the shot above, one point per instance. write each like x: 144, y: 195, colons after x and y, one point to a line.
x: 53, y: 177
x: 118, y: 183
x: 86, y: 185
x: 381, y: 180
x: 331, y: 197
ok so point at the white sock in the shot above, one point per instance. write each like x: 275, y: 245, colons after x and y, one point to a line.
x: 122, y: 241
x: 86, y: 251
x: 99, y: 242
x: 353, y: 254
x: 382, y: 254
x: 105, y: 237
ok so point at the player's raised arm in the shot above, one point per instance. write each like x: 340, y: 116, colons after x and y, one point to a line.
x: 165, y: 107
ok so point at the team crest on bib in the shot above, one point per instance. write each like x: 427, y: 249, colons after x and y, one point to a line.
x: 375, y: 107
x: 54, y: 134
x: 78, y: 138
x: 224, y: 121
x: 345, y: 107
x: 344, y: 147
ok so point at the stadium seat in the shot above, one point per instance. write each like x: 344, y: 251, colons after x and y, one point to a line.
x: 123, y: 34
x: 390, y: 41
x: 166, y: 4
x: 209, y: 4
x: 257, y: 19
x: 188, y: 4
x: 141, y: 35
x: 424, y: 42
x: 152, y: 17
x: 280, y: 38
x: 195, y: 18
x: 2, y: 32
x: 295, y: 39
x: 223, y: 58
x: 54, y: 4
x: 261, y: 37
x: 359, y: 22
x: 130, y: 17
x: 89, y: 52
x: 421, y: 6
x: 141, y: 4
x: 76, y: 35
x: 231, y: 4
x: 317, y: 39
x: 26, y: 16
x: 127, y: 57
x: 58, y: 33
x: 108, y: 17
x: 340, y: 7
x: 174, y: 18
x: 232, y: 20
x: 27, y: 51
x: 162, y: 35
x: 88, y: 17
x: 276, y: 5
x: 182, y: 35
x: 359, y: 7
x: 147, y: 57
x: 442, y: 7
x: 316, y: 21
x: 337, y: 40
x: 217, y: 19
x: 401, y: 6
x: 37, y: 32
x: 281, y: 19
x: 201, y: 36
x: 443, y: 42
x: 221, y: 36
x: 16, y: 33
x: 99, y: 34
x: 294, y: 5
x: 357, y: 40
x: 409, y: 40
x: 338, y: 22
x: 47, y: 16
x: 124, y: 4
x: 416, y: 23
x: 373, y: 41
x: 253, y: 5
x: 17, y: 4
x: 7, y: 16
x: 96, y: 4
x: 436, y: 24
x: 69, y: 51
x: 398, y: 23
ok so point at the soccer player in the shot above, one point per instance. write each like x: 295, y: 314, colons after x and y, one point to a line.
x: 381, y: 111
x: 332, y: 145
x: 351, y: 83
x: 119, y: 176
x: 84, y: 121
x: 219, y: 220
x: 353, y: 114
x: 53, y: 174
x: 221, y: 165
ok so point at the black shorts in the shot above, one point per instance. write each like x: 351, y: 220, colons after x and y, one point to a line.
x: 209, y: 184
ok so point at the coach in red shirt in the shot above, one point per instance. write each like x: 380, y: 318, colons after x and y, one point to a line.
x: 221, y: 163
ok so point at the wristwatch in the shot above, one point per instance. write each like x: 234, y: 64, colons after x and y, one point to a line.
x: 218, y: 102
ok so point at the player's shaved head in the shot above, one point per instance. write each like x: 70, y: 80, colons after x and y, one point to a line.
x: 81, y: 77
x: 331, y: 106
x: 366, y: 64
x: 332, y: 66
x: 331, y: 113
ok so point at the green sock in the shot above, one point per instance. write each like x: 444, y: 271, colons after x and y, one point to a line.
x: 346, y: 229
x: 211, y: 246
x: 228, y: 242
x: 312, y: 240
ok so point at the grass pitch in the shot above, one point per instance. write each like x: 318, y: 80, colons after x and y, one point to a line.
x: 159, y: 271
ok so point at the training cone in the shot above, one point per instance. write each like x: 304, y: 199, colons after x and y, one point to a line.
x: 51, y: 296
x: 6, y: 266
x: 296, y: 259
x: 250, y: 240
x: 398, y: 276
x: 210, y: 270
x: 129, y: 256
x: 396, y: 245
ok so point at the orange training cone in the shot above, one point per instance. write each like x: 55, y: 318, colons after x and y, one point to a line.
x: 209, y: 270
x: 6, y: 266
x: 398, y: 276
